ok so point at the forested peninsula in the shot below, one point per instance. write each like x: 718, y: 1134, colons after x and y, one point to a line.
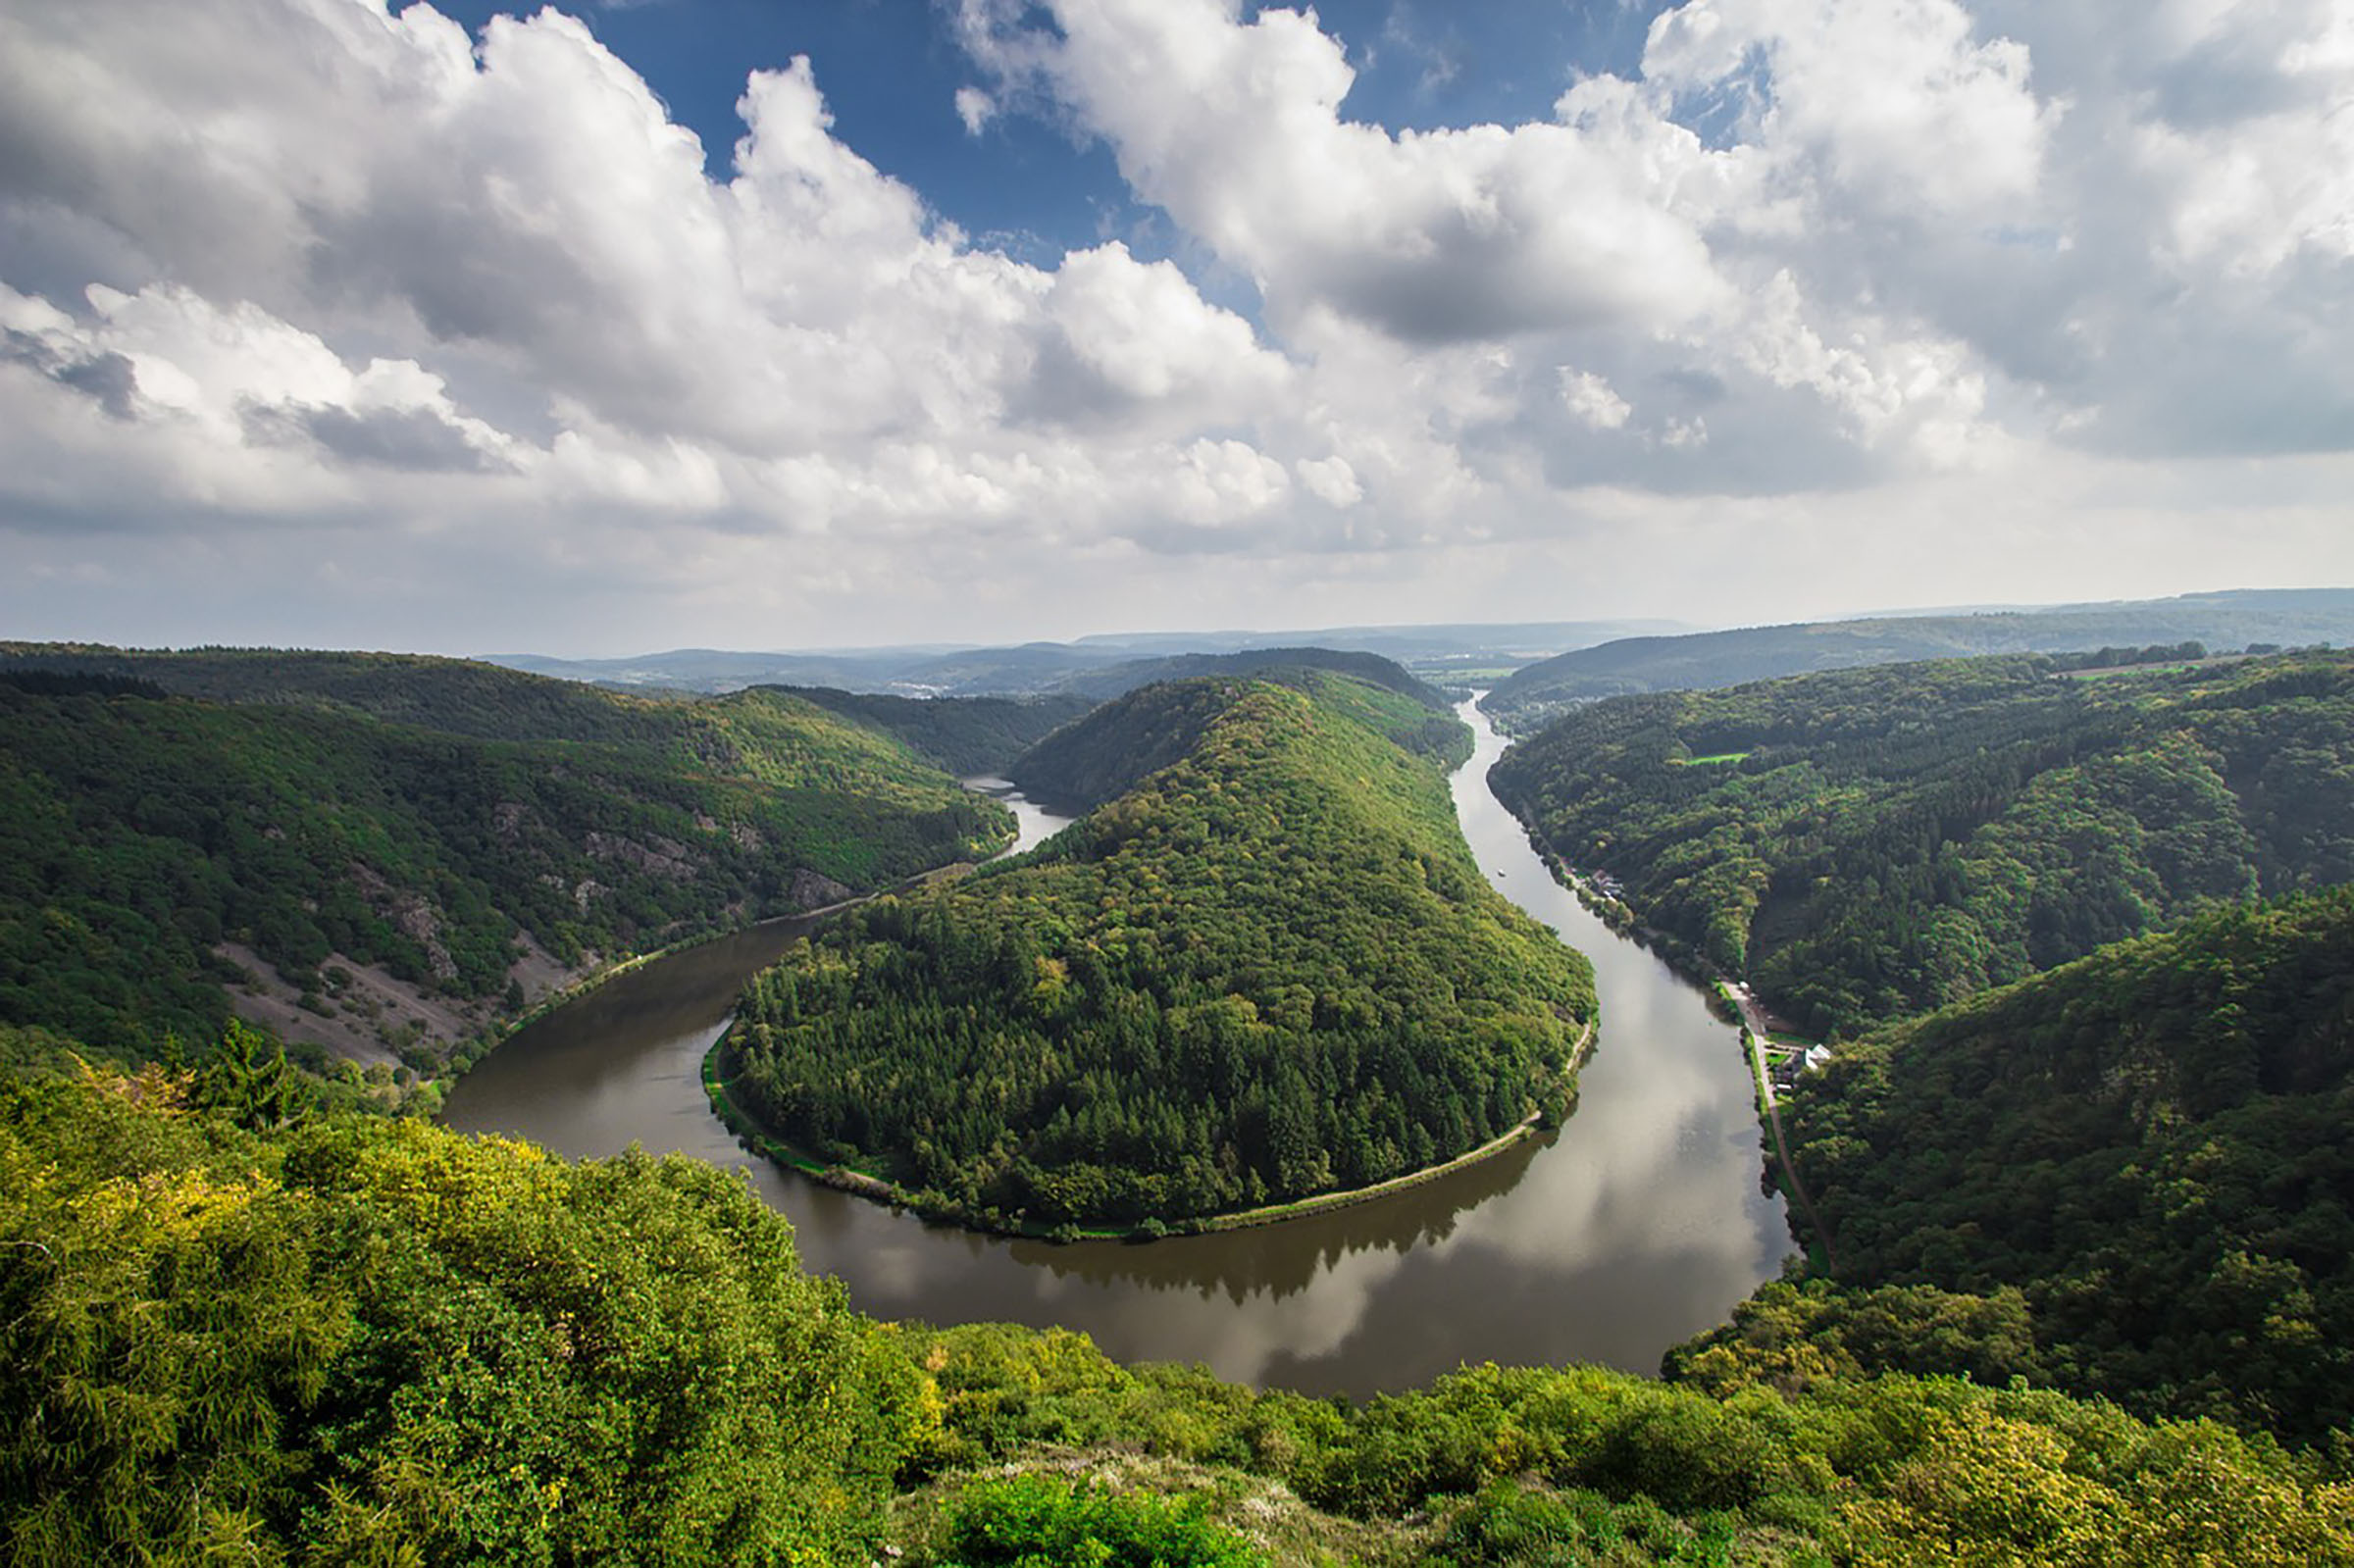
x: 1872, y: 843
x: 1264, y: 968
x: 407, y: 848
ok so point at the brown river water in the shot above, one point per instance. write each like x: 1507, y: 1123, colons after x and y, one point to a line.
x: 1637, y: 1225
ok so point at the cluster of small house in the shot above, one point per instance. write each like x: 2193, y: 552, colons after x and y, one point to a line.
x: 1787, y: 1063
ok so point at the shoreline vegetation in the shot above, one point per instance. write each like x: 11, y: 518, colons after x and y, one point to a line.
x: 756, y: 1140
x: 1621, y: 918
x: 721, y: 1072
x: 605, y: 975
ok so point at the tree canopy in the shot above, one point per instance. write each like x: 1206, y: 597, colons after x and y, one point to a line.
x: 142, y: 835
x: 1267, y: 968
x: 1872, y: 843
x: 2147, y: 1145
x: 361, y: 1339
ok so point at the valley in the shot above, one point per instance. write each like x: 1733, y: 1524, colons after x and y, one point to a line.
x: 1110, y: 783
x: 1645, y: 1210
x: 2101, y: 1171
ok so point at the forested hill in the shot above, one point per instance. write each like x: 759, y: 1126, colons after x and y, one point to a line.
x: 965, y: 735
x: 491, y: 702
x: 1705, y: 660
x: 155, y: 849
x: 1282, y: 664
x: 459, y: 696
x: 331, y: 1339
x: 1872, y: 843
x: 1127, y: 738
x: 1270, y: 969
x: 2155, y: 1144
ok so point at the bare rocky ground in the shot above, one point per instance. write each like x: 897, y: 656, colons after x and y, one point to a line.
x: 542, y: 973
x: 366, y: 1014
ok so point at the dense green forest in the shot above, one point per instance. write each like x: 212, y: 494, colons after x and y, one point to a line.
x: 2238, y: 619
x: 314, y: 1337
x: 1281, y: 664
x: 1269, y: 968
x: 887, y: 742
x: 2089, y: 1234
x: 967, y: 737
x: 2148, y: 1147
x: 1872, y: 843
x: 143, y: 835
x: 1081, y: 767
x: 458, y: 696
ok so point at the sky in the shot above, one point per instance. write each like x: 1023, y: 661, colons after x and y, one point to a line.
x: 776, y: 323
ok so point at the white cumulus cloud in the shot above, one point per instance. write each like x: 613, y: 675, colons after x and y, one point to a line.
x: 1814, y: 279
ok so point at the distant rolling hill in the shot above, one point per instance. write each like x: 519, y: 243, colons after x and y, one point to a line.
x: 1085, y: 765
x: 1042, y: 667
x: 1699, y: 661
x: 968, y: 736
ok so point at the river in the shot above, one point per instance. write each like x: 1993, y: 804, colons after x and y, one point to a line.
x: 1637, y: 1225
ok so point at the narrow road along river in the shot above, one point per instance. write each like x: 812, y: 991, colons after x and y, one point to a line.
x: 1638, y: 1225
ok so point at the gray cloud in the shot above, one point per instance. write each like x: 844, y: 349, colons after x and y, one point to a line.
x: 107, y: 379
x: 1815, y: 292
x: 415, y: 441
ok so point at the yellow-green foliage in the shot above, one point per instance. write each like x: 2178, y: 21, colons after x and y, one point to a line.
x: 1029, y: 1521
x: 376, y: 1340
x: 1576, y: 1464
x: 366, y: 1340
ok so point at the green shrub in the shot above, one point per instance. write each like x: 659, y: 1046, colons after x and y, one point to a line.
x: 1034, y: 1522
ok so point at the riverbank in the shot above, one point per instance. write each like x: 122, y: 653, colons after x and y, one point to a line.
x: 1733, y: 999
x: 604, y: 975
x: 1325, y: 1202
x: 1647, y: 1213
x: 756, y: 1139
x: 1754, y: 1031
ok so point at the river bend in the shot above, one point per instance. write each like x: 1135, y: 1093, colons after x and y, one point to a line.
x: 1638, y: 1224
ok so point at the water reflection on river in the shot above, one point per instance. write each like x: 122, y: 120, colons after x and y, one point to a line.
x: 1637, y: 1225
